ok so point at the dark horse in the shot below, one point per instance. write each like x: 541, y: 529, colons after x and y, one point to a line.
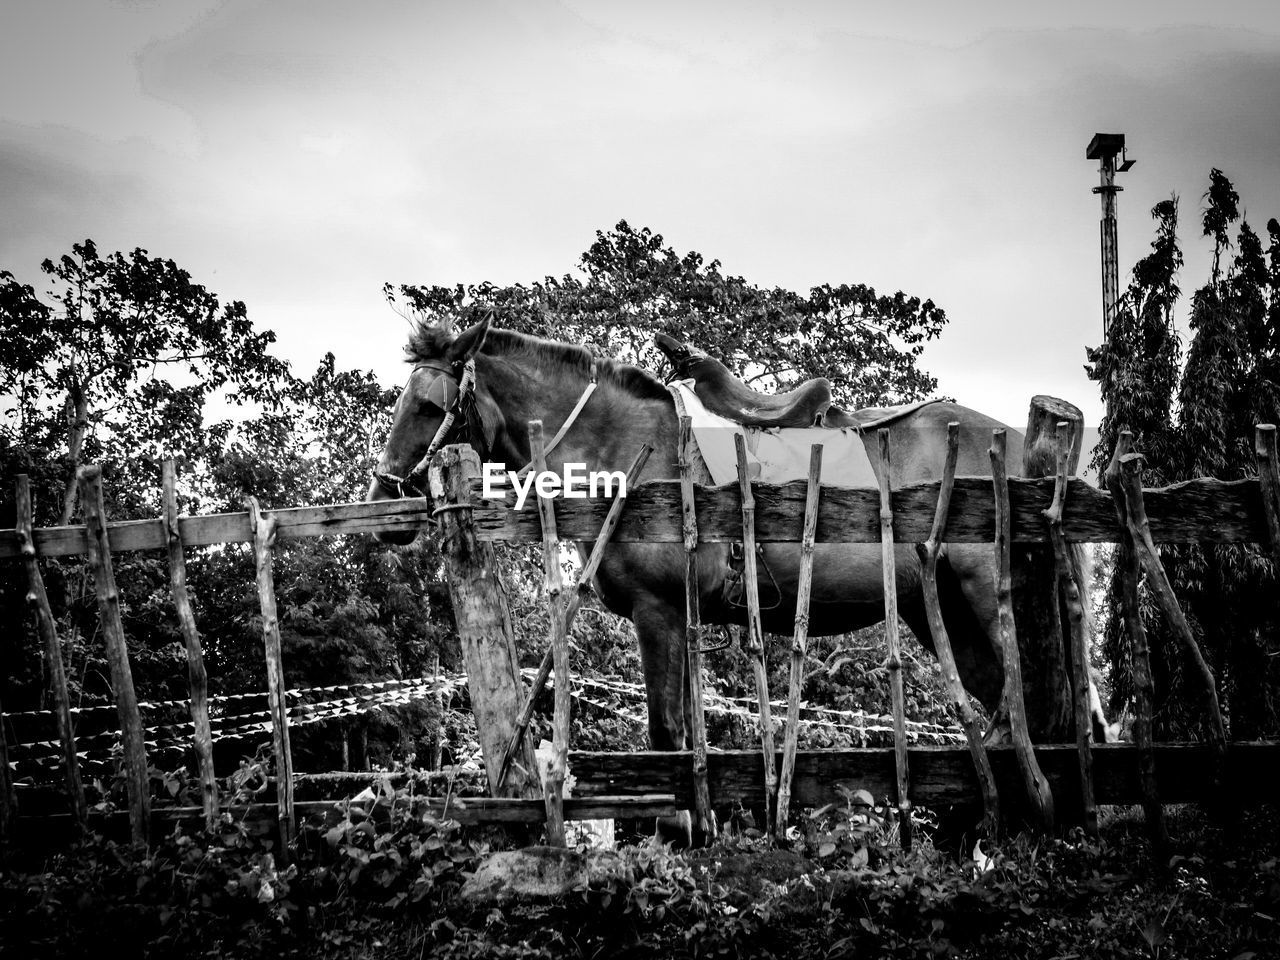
x: 518, y: 378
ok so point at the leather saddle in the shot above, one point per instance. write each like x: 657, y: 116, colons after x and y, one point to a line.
x: 808, y: 405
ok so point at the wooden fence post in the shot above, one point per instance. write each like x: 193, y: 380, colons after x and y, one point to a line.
x: 1070, y: 592
x: 135, y: 753
x: 693, y: 636
x: 1143, y: 686
x: 929, y: 552
x: 484, y: 622
x: 800, y: 642
x: 553, y: 579
x: 264, y: 536
x: 755, y: 635
x: 8, y: 802
x: 889, y: 571
x: 38, y: 600
x: 1264, y: 447
x: 1036, y: 785
x: 197, y: 678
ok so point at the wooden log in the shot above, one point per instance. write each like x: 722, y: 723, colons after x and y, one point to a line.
x: 1143, y: 686
x: 1162, y: 589
x: 706, y: 821
x: 1037, y: 788
x: 755, y: 635
x: 1226, y: 511
x: 553, y: 580
x: 1070, y: 591
x: 263, y: 546
x: 108, y: 595
x: 890, y: 573
x: 1264, y: 445
x: 929, y: 552
x: 38, y: 601
x: 484, y: 622
x: 197, y: 678
x: 800, y: 642
x: 573, y: 604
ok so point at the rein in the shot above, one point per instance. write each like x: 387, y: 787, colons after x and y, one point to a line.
x: 463, y: 402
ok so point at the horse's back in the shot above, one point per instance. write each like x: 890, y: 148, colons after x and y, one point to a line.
x: 920, y: 442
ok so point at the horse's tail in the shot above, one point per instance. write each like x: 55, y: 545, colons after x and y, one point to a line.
x: 1082, y: 569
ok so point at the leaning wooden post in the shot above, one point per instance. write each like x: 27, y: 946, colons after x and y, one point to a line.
x: 8, y: 802
x: 38, y: 600
x: 1033, y: 779
x: 1077, y: 631
x: 888, y: 566
x: 929, y: 552
x: 1264, y: 445
x: 800, y: 642
x: 553, y: 580
x: 263, y: 528
x: 571, y: 606
x: 197, y: 678
x: 104, y: 580
x: 1143, y: 685
x: 1140, y: 532
x: 755, y: 635
x: 484, y: 621
x: 693, y: 635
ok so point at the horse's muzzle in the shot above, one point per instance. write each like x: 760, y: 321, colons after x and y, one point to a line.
x: 398, y: 538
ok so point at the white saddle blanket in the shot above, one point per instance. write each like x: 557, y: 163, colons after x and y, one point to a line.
x: 773, y: 455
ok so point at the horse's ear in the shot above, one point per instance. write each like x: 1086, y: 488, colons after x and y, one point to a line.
x: 468, y: 343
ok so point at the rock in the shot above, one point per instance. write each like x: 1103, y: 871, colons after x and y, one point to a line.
x: 536, y: 873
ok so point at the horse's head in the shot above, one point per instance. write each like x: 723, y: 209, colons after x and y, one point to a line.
x: 437, y: 406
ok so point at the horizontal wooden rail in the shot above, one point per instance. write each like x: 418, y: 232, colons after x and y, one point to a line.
x: 1195, y: 510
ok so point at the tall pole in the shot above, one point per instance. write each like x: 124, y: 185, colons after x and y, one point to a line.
x: 1104, y: 148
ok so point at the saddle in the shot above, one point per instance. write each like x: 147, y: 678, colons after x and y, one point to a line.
x: 808, y: 405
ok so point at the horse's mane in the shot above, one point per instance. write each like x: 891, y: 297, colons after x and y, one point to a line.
x: 429, y: 342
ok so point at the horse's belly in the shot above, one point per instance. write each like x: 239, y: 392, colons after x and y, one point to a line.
x: 842, y: 573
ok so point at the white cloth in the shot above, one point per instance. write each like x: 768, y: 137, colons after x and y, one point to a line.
x: 774, y: 455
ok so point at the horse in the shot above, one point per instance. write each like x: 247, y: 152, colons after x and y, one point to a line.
x: 484, y: 384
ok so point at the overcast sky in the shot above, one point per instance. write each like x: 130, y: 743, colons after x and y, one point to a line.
x: 297, y: 155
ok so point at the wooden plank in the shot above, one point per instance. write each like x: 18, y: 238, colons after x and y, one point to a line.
x: 484, y: 623
x: 263, y: 543
x: 197, y: 678
x: 137, y: 783
x: 890, y: 579
x: 1070, y: 591
x: 1034, y: 783
x: 1143, y: 685
x: 553, y: 581
x: 1203, y: 509
x: 706, y: 822
x: 755, y: 635
x: 800, y: 641
x: 941, y: 776
x: 38, y: 601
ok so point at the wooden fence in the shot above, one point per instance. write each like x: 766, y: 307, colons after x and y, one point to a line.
x: 1055, y: 510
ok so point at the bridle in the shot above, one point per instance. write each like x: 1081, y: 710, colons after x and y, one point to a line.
x: 463, y: 401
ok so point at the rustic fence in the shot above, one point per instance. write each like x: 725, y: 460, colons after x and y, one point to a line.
x: 1055, y: 510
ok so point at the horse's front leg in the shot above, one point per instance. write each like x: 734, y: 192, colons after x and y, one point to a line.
x: 660, y: 628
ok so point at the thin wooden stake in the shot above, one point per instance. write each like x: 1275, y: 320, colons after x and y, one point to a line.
x: 572, y: 605
x: 800, y: 641
x: 755, y: 635
x: 135, y: 752
x: 929, y: 552
x: 1143, y: 685
x: 1140, y: 532
x: 1037, y: 787
x: 553, y: 789
x: 1264, y: 445
x: 197, y: 678
x: 38, y: 600
x: 1070, y: 591
x: 8, y: 801
x: 888, y: 566
x: 264, y: 535
x: 693, y: 637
